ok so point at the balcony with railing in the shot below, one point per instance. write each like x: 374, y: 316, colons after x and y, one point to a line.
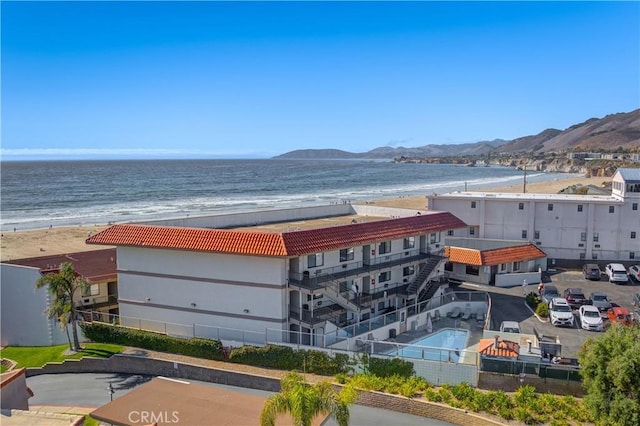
x: 319, y: 278
x: 97, y: 302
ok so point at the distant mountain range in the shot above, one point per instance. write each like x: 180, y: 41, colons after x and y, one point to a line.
x: 610, y: 133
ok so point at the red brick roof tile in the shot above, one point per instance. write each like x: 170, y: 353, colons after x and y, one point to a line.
x: 285, y: 244
x: 93, y: 265
x: 505, y: 348
x: 494, y: 256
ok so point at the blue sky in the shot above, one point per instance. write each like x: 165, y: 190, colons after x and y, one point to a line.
x: 257, y: 79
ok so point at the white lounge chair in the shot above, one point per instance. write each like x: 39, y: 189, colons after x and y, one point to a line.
x: 455, y: 313
x: 480, y: 318
x: 467, y: 312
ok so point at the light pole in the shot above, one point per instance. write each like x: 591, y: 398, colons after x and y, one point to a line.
x: 111, y: 391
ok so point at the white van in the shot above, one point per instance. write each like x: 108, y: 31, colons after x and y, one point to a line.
x: 617, y: 273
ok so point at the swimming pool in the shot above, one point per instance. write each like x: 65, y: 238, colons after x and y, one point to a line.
x: 444, y: 345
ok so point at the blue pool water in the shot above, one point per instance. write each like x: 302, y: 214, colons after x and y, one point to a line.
x: 444, y: 345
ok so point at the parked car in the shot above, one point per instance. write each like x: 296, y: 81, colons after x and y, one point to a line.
x: 575, y: 297
x: 619, y: 315
x: 548, y: 293
x: 510, y: 327
x: 634, y: 272
x: 600, y: 300
x: 560, y: 312
x: 590, y: 318
x: 592, y: 271
x: 616, y: 273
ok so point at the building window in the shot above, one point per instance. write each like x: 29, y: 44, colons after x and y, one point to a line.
x: 524, y: 233
x: 634, y: 206
x: 503, y: 267
x: 473, y: 204
x: 314, y: 260
x: 346, y: 254
x: 408, y: 270
x: 596, y: 237
x: 409, y: 242
x: 450, y: 233
x: 384, y: 247
x: 520, y: 206
x: 516, y: 266
x: 611, y: 209
x: 594, y: 256
x: 434, y: 238
x: 579, y: 207
x: 472, y: 270
x: 633, y: 235
x: 536, y: 235
x: 583, y: 236
x: 385, y: 276
x: 472, y: 231
x: 632, y: 255
x: 550, y: 207
x: 582, y: 256
x: 91, y: 290
x: 448, y: 266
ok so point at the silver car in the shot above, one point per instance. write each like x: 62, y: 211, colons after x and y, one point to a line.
x: 600, y: 300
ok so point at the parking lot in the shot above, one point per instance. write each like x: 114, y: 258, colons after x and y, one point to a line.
x: 508, y: 304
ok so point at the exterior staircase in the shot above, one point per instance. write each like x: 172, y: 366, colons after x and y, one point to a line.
x: 337, y: 294
x: 418, y: 284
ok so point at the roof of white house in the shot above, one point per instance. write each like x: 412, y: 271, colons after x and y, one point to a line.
x: 630, y: 175
x: 531, y: 197
x: 276, y: 244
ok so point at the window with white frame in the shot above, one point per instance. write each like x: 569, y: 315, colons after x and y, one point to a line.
x: 632, y: 255
x: 520, y: 206
x: 579, y: 207
x: 550, y: 207
x: 536, y: 235
x: 582, y: 256
x: 524, y: 233
x: 634, y: 206
x: 409, y: 242
x: 596, y: 237
x: 516, y: 266
x: 472, y: 231
x: 434, y: 238
x: 503, y: 267
x: 612, y: 209
x: 315, y: 260
x: 346, y: 254
x: 450, y: 233
x: 473, y: 204
x: 384, y: 247
x: 408, y: 270
x: 91, y: 290
x: 583, y: 236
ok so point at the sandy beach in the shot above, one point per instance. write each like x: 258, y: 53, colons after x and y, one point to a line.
x: 46, y: 242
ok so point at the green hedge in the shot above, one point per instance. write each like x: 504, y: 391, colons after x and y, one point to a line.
x: 286, y: 358
x: 197, y: 347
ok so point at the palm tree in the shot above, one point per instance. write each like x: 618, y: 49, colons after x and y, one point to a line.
x: 304, y: 401
x: 63, y: 286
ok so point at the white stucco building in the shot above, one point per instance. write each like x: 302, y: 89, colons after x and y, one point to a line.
x: 569, y: 228
x: 300, y: 283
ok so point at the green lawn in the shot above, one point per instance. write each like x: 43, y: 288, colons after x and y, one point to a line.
x: 3, y: 368
x: 37, y: 356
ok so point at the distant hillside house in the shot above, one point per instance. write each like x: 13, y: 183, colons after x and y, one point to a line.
x: 569, y: 228
x: 306, y: 271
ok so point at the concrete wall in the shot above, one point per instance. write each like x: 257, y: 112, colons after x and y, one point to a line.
x: 14, y: 393
x: 22, y: 321
x: 511, y: 383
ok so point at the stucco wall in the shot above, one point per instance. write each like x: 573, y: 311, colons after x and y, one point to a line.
x: 22, y: 321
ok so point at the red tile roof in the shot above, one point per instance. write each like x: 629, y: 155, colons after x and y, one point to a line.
x: 284, y: 244
x: 505, y: 348
x: 93, y: 265
x: 494, y: 256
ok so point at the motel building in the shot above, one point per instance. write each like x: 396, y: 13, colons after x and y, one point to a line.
x: 298, y: 275
x: 570, y: 229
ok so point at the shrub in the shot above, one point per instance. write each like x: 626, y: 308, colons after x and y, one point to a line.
x: 286, y: 358
x: 532, y: 300
x: 387, y: 367
x: 542, y: 310
x: 197, y: 347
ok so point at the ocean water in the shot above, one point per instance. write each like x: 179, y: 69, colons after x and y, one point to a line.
x: 40, y: 194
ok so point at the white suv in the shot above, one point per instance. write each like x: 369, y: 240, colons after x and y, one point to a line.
x: 616, y: 273
x: 560, y: 312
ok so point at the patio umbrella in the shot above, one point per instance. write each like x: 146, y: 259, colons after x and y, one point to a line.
x: 429, y: 324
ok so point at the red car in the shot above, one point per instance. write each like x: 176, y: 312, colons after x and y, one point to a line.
x: 620, y: 315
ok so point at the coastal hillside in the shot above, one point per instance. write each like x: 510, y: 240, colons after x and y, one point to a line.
x: 614, y: 132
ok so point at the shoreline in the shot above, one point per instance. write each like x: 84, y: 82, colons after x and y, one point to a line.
x: 69, y: 239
